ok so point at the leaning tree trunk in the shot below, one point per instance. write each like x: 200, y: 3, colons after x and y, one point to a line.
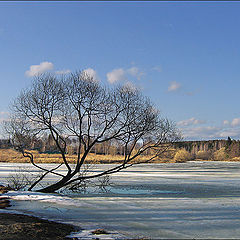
x: 56, y: 186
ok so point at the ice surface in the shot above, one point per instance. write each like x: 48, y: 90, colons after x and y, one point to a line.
x: 185, y: 201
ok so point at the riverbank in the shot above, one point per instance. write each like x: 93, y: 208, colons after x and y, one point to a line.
x: 17, y: 226
x: 12, y: 156
x: 20, y: 226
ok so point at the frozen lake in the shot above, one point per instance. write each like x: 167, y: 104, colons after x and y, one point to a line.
x: 188, y: 200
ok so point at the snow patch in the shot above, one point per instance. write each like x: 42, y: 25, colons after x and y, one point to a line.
x: 43, y: 197
x: 87, y: 235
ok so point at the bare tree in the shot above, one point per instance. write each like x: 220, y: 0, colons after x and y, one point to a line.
x: 78, y: 107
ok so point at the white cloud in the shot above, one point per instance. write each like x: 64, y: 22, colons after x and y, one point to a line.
x: 225, y: 122
x: 135, y: 72
x: 230, y: 133
x: 38, y: 69
x: 190, y: 121
x: 157, y: 68
x: 210, y: 132
x: 120, y: 74
x: 116, y: 75
x: 174, y: 86
x: 226, y: 129
x: 92, y: 73
x: 235, y: 122
x: 130, y: 86
x: 63, y: 71
x: 206, y: 133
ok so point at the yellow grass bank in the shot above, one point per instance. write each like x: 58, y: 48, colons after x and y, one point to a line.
x: 11, y: 155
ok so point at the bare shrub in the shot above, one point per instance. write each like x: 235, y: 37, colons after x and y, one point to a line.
x: 17, y: 182
x: 182, y: 156
x: 204, y: 155
x: 22, y: 179
x: 220, y: 154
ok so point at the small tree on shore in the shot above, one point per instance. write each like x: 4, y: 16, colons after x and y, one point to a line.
x: 78, y: 107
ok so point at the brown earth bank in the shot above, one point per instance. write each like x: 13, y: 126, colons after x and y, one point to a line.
x: 17, y: 226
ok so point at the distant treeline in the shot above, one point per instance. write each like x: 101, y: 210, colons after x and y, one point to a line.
x: 47, y: 145
x: 230, y: 147
x: 4, y: 144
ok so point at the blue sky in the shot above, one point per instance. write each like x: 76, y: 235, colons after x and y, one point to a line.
x: 184, y: 55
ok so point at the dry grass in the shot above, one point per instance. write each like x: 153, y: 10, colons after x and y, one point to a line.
x: 10, y: 155
x: 220, y: 154
x: 182, y: 156
x: 205, y: 155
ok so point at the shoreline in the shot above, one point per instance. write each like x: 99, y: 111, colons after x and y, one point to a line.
x: 20, y: 226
